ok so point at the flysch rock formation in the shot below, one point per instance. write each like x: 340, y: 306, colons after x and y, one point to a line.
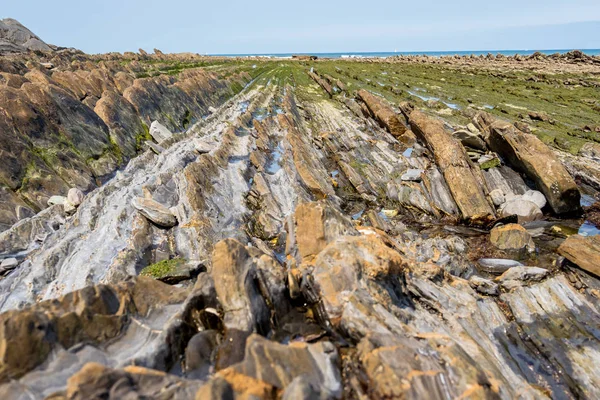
x: 296, y: 241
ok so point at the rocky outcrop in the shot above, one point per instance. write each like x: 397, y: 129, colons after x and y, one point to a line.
x: 15, y: 38
x: 527, y: 153
x: 74, y: 125
x: 283, y: 247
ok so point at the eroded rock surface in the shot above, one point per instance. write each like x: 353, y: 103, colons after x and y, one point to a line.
x: 313, y: 246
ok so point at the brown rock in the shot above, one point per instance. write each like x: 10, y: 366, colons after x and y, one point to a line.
x: 512, y: 237
x: 268, y: 364
x: 583, y: 252
x: 451, y: 158
x: 318, y: 224
x: 383, y: 113
x: 94, y: 314
x: 527, y: 153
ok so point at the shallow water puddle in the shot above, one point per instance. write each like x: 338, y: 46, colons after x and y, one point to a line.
x: 588, y: 229
x: 453, y: 106
x: 275, y: 164
x: 244, y: 106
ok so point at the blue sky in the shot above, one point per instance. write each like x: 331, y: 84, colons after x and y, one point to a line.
x: 266, y: 26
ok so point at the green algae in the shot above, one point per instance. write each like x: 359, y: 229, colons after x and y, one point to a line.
x: 163, y: 268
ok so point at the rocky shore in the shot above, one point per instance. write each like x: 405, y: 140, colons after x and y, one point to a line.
x: 234, y: 229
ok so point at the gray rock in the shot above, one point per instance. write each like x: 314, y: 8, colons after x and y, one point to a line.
x: 57, y: 200
x: 413, y: 175
x: 155, y: 212
x: 75, y: 197
x: 525, y: 210
x: 154, y: 147
x: 497, y: 265
x: 159, y: 132
x: 212, y: 110
x: 484, y: 286
x: 9, y: 263
x: 497, y: 196
x: 535, y: 197
x: 203, y: 146
x: 11, y: 31
x: 516, y: 276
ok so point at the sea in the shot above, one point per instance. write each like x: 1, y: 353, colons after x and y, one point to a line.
x: 591, y: 52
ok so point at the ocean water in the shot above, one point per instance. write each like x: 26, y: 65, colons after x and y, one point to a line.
x: 591, y: 52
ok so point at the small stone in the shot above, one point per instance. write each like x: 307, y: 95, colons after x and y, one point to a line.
x: 155, y: 212
x: 154, y: 147
x: 413, y: 175
x: 535, y: 197
x: 56, y: 200
x: 75, y: 197
x: 390, y: 213
x: 203, y: 146
x: 484, y: 286
x: 212, y: 110
x: 9, y: 263
x: 497, y: 266
x: 70, y: 208
x: 497, y: 196
x: 512, y: 237
x: 515, y: 276
x: 159, y: 132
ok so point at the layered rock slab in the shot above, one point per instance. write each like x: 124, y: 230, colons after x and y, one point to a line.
x: 464, y: 184
x: 527, y: 153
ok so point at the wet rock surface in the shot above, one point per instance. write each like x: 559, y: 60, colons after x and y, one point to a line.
x: 298, y: 242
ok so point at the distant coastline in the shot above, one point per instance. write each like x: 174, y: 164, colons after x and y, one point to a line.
x: 590, y: 52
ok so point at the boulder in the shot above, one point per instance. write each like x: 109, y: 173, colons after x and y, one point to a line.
x: 155, y: 212
x: 535, y: 197
x: 159, y: 132
x: 75, y: 197
x: 450, y: 156
x: 582, y: 251
x: 530, y: 155
x: 525, y: 210
x: 512, y: 237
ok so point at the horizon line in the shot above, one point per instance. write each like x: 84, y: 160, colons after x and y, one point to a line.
x: 397, y: 51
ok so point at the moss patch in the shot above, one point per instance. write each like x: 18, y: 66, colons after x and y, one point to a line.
x: 490, y: 164
x: 163, y: 268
